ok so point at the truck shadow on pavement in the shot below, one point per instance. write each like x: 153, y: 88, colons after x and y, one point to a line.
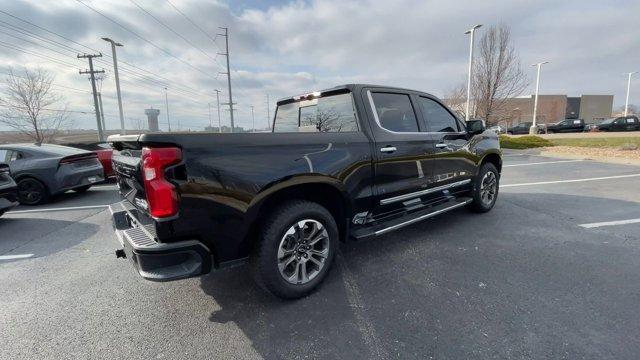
x: 40, y: 237
x: 520, y: 281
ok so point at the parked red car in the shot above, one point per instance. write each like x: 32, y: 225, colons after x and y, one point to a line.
x: 104, y: 152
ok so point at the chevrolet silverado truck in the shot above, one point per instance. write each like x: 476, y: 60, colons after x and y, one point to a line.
x: 348, y: 163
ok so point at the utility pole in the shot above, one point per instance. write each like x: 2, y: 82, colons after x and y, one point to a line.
x: 92, y: 73
x: 626, y: 103
x: 115, y: 72
x: 104, y: 127
x: 533, y: 130
x: 472, y: 32
x: 226, y: 53
x: 268, y: 115
x: 166, y: 101
x: 253, y: 120
x: 218, y: 100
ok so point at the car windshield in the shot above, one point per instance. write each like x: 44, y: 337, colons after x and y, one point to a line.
x: 608, y: 121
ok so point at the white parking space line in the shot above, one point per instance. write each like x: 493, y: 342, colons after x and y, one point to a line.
x: 103, y: 188
x: 610, y: 223
x: 70, y: 208
x: 14, y: 257
x: 545, y: 162
x: 570, y: 181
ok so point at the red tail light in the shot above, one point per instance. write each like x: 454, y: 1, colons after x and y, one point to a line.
x: 162, y: 196
x: 77, y: 158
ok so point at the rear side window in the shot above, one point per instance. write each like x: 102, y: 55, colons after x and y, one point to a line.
x: 3, y: 155
x: 395, y: 112
x: 437, y: 117
x: 333, y: 113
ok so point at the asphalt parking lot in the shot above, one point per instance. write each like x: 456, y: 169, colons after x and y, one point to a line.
x: 552, y: 272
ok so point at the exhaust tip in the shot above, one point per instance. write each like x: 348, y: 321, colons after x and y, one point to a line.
x: 121, y: 254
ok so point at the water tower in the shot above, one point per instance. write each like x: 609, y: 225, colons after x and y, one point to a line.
x: 152, y: 118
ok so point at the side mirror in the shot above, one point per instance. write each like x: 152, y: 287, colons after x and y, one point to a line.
x: 475, y: 127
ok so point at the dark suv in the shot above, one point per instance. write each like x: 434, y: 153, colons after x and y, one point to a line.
x: 622, y: 123
x: 347, y: 163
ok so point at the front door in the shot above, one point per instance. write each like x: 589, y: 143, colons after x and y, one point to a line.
x: 454, y: 163
x: 403, y: 151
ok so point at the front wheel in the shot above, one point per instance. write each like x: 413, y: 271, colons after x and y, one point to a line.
x: 485, y: 189
x: 299, y: 240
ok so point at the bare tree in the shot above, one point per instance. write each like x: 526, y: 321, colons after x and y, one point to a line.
x: 498, y: 74
x: 456, y: 99
x: 30, y: 106
x: 137, y: 124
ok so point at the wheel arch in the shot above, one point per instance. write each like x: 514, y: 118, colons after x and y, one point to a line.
x: 493, y: 158
x: 325, y: 191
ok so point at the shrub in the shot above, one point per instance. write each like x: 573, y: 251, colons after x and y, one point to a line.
x: 523, y: 142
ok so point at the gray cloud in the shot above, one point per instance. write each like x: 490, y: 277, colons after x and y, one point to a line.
x: 302, y: 46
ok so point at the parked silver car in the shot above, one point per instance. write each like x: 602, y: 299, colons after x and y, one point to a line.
x: 43, y: 170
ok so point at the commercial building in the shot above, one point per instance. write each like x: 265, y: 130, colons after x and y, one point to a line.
x: 553, y: 108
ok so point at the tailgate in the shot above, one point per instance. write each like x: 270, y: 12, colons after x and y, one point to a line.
x: 127, y: 166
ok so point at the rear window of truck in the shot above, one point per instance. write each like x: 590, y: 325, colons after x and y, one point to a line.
x: 332, y: 113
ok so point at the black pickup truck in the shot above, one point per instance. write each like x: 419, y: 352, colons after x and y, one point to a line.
x: 351, y: 162
x: 567, y: 125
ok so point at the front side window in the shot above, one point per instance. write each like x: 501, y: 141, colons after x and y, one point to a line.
x: 395, y: 112
x: 437, y: 117
x: 333, y: 113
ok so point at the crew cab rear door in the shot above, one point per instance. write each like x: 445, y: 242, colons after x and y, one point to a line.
x: 402, y: 151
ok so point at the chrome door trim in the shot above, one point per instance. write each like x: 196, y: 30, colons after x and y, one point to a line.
x: 402, y: 197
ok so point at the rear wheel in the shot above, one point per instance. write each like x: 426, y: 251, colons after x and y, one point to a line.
x: 32, y: 192
x: 298, y: 243
x: 82, y: 189
x: 509, y: 133
x: 485, y: 189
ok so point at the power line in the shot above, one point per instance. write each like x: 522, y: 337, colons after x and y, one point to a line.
x: 143, y: 38
x: 213, y: 39
x: 171, y: 29
x: 17, y: 48
x: 75, y: 50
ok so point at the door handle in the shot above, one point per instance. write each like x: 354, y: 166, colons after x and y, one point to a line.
x: 388, y: 149
x: 442, y: 145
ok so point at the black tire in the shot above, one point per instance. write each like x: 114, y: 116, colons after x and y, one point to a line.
x: 32, y: 192
x: 82, y: 189
x: 550, y: 132
x: 265, y: 260
x: 509, y: 133
x: 480, y: 203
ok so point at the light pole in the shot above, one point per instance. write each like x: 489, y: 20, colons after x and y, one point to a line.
x: 115, y: 72
x: 472, y: 32
x: 166, y: 101
x: 626, y: 103
x: 253, y: 120
x: 533, y: 130
x: 218, y: 100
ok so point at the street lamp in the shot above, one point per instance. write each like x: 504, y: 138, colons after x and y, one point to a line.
x: 115, y: 72
x: 534, y: 128
x: 626, y: 103
x: 470, y: 31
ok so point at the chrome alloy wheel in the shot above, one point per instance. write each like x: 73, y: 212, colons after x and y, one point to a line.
x: 303, y: 251
x: 488, y: 188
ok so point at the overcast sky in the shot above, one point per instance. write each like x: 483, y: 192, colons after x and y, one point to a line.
x: 285, y: 48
